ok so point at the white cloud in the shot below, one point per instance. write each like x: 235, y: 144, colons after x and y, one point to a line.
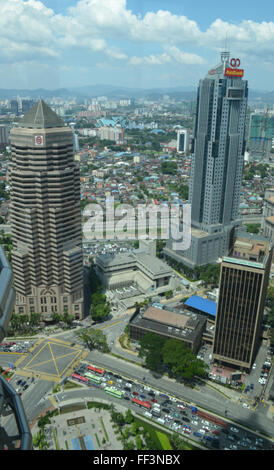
x: 31, y: 31
x: 150, y: 60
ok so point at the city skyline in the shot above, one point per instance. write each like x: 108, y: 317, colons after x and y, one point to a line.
x: 54, y: 44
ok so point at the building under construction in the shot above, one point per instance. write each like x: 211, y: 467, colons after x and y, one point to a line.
x: 261, y: 132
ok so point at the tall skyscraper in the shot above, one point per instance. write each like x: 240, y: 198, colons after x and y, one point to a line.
x: 45, y: 216
x: 14, y: 107
x: 261, y: 132
x: 243, y: 285
x: 217, y: 162
x: 4, y: 136
x: 182, y: 140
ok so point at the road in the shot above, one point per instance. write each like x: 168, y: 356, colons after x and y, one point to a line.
x: 36, y: 397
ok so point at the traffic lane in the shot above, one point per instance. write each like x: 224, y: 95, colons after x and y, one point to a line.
x: 206, y: 398
x: 175, y: 414
x: 34, y: 400
x: 174, y: 411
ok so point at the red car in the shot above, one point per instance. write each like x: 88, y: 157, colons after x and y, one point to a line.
x: 154, y: 400
x: 135, y: 393
x: 215, y: 432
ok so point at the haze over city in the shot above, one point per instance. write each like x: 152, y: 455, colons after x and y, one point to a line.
x: 131, y: 43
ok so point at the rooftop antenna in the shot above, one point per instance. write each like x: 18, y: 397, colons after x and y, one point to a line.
x: 225, y: 54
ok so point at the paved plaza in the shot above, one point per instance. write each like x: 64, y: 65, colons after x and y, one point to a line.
x: 82, y: 429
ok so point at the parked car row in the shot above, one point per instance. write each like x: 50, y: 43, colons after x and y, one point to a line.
x: 264, y: 372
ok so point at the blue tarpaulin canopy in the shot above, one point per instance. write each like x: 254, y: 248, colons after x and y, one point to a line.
x: 204, y: 305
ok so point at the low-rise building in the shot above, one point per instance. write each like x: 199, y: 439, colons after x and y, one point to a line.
x: 182, y: 325
x: 149, y: 275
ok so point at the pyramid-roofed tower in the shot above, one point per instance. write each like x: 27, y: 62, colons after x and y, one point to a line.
x: 45, y: 216
x: 41, y: 116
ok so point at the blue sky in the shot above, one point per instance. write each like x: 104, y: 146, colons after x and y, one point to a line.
x: 132, y: 43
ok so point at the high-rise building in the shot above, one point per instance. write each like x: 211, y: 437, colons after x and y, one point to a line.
x: 4, y: 136
x: 261, y: 132
x: 182, y: 140
x: 14, y: 107
x: 268, y: 215
x: 243, y: 285
x: 217, y: 163
x: 45, y: 216
x: 27, y: 105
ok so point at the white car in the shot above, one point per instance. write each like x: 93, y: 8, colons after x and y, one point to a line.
x: 245, y: 405
x: 205, y: 422
x: 254, y: 366
x: 206, y: 428
x: 194, y: 422
x: 234, y: 429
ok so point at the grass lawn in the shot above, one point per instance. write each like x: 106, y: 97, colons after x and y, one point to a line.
x: 160, y: 439
x: 164, y: 441
x: 69, y: 385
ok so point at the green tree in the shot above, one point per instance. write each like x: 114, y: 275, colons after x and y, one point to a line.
x: 253, y: 228
x: 151, y: 349
x: 93, y: 339
x: 129, y: 418
x: 181, y: 361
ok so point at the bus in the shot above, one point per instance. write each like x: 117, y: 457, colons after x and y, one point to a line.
x: 112, y: 391
x: 79, y: 378
x: 145, y: 404
x: 97, y: 370
x: 93, y: 378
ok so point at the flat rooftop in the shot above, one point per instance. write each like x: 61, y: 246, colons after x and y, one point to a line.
x: 147, y: 261
x: 250, y: 251
x: 182, y: 325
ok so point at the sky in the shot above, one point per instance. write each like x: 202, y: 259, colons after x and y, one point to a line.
x: 132, y: 43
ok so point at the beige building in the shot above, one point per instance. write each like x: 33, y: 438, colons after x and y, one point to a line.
x: 45, y: 216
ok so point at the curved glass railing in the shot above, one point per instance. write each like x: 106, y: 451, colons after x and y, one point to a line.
x: 10, y: 402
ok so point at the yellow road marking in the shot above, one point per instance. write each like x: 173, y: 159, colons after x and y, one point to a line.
x: 70, y: 363
x: 38, y: 352
x: 111, y: 324
x: 53, y: 358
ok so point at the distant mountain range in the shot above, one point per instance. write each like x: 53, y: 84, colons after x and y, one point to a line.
x: 112, y: 92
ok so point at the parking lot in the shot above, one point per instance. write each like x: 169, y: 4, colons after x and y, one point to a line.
x: 179, y: 416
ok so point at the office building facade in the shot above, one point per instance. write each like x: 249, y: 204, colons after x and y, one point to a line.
x: 243, y: 285
x: 182, y: 140
x: 217, y: 163
x: 45, y: 216
x: 261, y: 132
